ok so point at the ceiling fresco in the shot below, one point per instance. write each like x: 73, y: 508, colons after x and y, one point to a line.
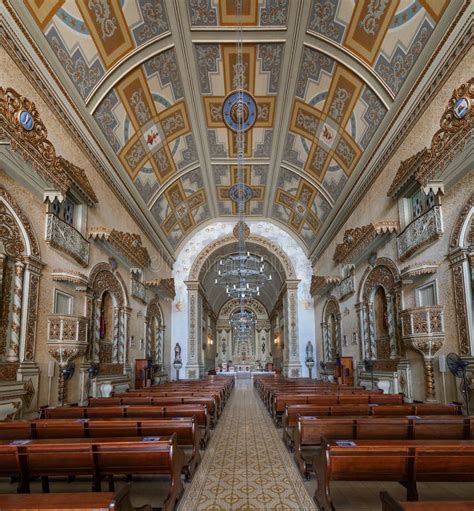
x: 156, y: 97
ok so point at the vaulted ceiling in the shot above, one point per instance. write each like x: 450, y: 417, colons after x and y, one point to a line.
x: 151, y: 77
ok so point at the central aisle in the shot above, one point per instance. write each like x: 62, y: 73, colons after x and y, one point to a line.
x: 246, y: 466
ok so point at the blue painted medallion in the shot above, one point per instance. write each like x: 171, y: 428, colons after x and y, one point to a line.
x: 239, y: 110
x: 240, y: 191
x: 26, y: 120
x: 461, y: 108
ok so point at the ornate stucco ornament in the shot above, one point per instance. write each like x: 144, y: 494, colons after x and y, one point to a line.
x: 21, y: 124
x: 357, y: 240
x: 321, y: 284
x: 164, y: 287
x: 127, y: 244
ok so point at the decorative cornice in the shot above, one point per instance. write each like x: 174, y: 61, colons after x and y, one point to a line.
x: 358, y: 239
x: 454, y: 133
x: 35, y: 147
x: 71, y: 277
x: 417, y: 270
x: 165, y: 286
x: 406, y: 173
x: 130, y: 245
x: 320, y: 284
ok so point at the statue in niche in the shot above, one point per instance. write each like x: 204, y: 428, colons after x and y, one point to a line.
x: 309, y: 351
x: 177, y: 352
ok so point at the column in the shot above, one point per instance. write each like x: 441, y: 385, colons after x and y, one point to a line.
x: 14, y: 347
x: 148, y: 353
x: 96, y: 332
x: 391, y: 327
x: 192, y: 366
x: 3, y: 318
x: 370, y: 333
x: 293, y: 361
x: 360, y: 310
x: 116, y: 335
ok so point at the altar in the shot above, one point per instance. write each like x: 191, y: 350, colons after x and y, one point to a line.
x: 244, y: 368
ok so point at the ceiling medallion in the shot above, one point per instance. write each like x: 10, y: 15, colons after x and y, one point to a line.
x: 239, y: 110
x: 245, y: 230
x: 240, y: 192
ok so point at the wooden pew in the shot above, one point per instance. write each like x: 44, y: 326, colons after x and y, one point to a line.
x: 291, y: 413
x: 310, y: 430
x: 390, y: 504
x: 152, y: 401
x: 281, y: 400
x: 72, y: 501
x: 199, y: 412
x: 405, y: 461
x: 186, y: 429
x: 99, y: 458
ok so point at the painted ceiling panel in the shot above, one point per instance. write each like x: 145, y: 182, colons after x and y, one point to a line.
x: 218, y: 76
x: 158, y: 97
x: 222, y: 13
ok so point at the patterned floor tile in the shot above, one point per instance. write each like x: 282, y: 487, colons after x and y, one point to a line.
x: 246, y: 466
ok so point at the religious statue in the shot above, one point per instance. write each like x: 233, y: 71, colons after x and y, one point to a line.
x: 177, y: 352
x: 309, y: 351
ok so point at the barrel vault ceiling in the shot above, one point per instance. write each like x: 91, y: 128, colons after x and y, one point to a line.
x: 150, y: 77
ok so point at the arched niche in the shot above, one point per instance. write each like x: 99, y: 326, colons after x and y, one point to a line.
x: 154, y: 333
x: 108, y: 341
x: 378, y: 309
x: 258, y: 349
x: 20, y: 270
x: 331, y: 329
x: 461, y: 257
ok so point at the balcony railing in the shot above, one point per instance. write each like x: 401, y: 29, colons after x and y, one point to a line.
x: 67, y: 328
x: 420, y: 232
x: 67, y: 239
x: 423, y: 322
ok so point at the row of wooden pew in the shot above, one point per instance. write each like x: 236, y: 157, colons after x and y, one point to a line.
x: 114, y: 436
x: 377, y: 437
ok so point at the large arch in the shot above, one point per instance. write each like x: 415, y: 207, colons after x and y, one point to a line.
x: 296, y: 273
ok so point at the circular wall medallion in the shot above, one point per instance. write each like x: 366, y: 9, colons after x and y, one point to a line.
x: 239, y: 110
x: 461, y: 107
x: 240, y: 192
x: 26, y: 120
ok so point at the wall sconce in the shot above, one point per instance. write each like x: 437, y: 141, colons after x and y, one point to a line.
x: 276, y: 340
x: 210, y: 341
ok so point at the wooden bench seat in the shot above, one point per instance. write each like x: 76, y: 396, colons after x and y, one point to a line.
x: 80, y: 501
x: 99, y: 458
x: 158, y: 401
x: 199, y: 412
x: 292, y: 412
x: 186, y: 429
x: 390, y: 504
x: 404, y: 461
x: 281, y: 400
x: 310, y: 430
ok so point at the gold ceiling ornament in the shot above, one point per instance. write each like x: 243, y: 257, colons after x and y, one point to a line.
x: 21, y: 124
x: 245, y: 230
x: 356, y: 240
x: 320, y: 284
x: 457, y: 126
x: 130, y: 245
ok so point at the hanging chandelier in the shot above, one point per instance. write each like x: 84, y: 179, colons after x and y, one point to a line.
x: 243, y: 321
x: 242, y: 274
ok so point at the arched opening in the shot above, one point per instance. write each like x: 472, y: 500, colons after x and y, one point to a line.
x: 381, y: 324
x: 106, y: 333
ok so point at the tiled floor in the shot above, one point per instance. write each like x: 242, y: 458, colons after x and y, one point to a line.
x: 246, y: 466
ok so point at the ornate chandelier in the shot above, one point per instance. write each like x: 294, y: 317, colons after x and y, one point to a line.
x: 243, y: 274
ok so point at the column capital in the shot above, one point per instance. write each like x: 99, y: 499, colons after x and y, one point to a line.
x: 292, y: 283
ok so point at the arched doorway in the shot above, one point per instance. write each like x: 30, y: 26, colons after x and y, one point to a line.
x: 290, y: 267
